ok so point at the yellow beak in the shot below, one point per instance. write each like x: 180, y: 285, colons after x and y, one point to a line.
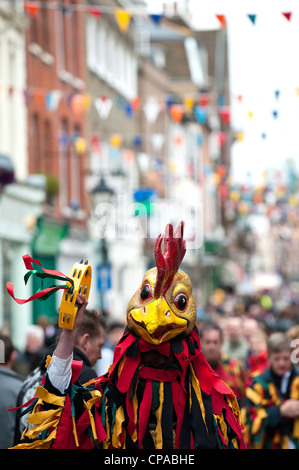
x: 155, y: 322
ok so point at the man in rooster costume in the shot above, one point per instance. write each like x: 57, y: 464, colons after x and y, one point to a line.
x: 159, y: 391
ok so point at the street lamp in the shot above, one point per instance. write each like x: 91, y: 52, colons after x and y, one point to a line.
x: 101, y: 194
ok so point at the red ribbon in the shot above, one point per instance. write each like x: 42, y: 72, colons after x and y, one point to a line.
x: 43, y: 293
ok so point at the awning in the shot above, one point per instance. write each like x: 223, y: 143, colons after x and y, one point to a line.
x: 48, y: 238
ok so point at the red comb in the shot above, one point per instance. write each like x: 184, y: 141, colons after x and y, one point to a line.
x: 169, y: 263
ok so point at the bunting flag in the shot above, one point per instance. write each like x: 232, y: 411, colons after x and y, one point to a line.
x: 200, y: 114
x: 77, y: 103
x: 157, y: 141
x: 151, y: 109
x: 41, y: 273
x: 66, y: 10
x: 94, y: 11
x: 222, y: 20
x: 52, y: 99
x: 103, y: 105
x: 156, y: 17
x: 287, y: 15
x: 96, y: 144
x: 123, y: 19
x: 252, y: 18
x: 80, y: 145
x: 176, y: 112
x: 116, y: 140
x: 225, y: 115
x: 32, y: 8
x: 188, y: 104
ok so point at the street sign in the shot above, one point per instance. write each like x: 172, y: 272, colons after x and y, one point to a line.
x: 103, y: 277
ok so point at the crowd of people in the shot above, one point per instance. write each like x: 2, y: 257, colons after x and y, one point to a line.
x: 252, y: 345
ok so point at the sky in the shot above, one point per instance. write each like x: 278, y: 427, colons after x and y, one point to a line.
x: 264, y: 81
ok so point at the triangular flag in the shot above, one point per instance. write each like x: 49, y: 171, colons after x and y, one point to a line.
x: 176, y: 112
x: 122, y: 18
x: 252, y: 18
x: 65, y: 10
x: 151, y: 109
x: 77, y: 103
x: 221, y: 18
x: 224, y: 113
x: 287, y: 15
x: 94, y: 11
x: 156, y: 17
x: 80, y: 145
x: 135, y: 103
x: 52, y: 99
x: 157, y: 141
x: 86, y: 102
x: 201, y: 114
x: 128, y: 155
x: 103, y: 106
x: 116, y: 140
x: 31, y: 8
x: 188, y: 104
x: 96, y: 143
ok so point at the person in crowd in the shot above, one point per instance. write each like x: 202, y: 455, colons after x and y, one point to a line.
x: 235, y: 346
x: 272, y: 405
x: 249, y: 326
x: 231, y: 371
x: 30, y: 358
x: 10, y: 385
x: 257, y: 360
x: 114, y: 332
x: 89, y: 342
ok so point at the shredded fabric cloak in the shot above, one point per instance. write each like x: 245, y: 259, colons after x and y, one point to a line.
x: 182, y: 406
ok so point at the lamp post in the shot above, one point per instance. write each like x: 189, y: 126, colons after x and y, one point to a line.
x: 101, y: 194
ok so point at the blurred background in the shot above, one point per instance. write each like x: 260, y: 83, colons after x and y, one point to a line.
x: 121, y: 103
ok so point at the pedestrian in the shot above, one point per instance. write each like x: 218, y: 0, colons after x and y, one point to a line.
x: 30, y: 358
x: 235, y: 346
x: 114, y: 332
x: 257, y: 360
x: 272, y: 406
x: 231, y: 371
x: 10, y: 385
x: 89, y: 341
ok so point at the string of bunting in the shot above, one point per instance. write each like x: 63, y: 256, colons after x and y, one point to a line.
x: 122, y: 16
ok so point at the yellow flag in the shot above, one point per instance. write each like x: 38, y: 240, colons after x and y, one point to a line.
x: 122, y: 18
x: 188, y: 103
x: 116, y: 140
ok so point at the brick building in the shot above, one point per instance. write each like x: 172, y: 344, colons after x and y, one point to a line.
x: 57, y: 104
x: 56, y: 84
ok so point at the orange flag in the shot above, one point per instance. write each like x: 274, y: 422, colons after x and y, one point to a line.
x: 221, y: 18
x: 31, y: 8
x: 176, y: 112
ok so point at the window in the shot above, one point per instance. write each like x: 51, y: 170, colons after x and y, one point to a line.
x: 109, y: 57
x: 45, y: 37
x: 47, y: 164
x: 63, y: 165
x: 35, y: 142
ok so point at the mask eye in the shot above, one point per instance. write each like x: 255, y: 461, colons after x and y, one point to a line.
x: 181, y: 302
x: 145, y: 292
